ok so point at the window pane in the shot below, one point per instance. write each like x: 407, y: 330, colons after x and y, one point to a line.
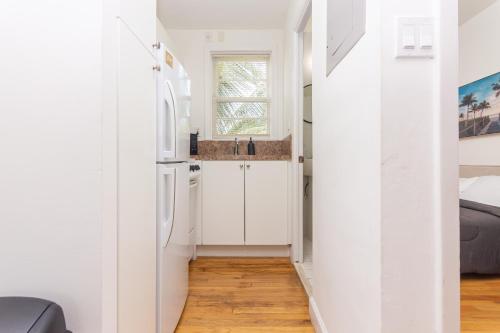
x: 241, y: 77
x: 254, y: 126
x: 242, y: 68
x: 241, y: 110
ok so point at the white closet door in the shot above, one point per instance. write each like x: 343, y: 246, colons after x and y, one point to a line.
x: 223, y: 203
x: 136, y: 186
x: 266, y: 203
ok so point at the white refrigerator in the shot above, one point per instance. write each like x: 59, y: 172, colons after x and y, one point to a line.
x: 173, y: 247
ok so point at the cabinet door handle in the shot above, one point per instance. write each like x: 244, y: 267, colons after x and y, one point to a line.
x: 248, y: 166
x: 241, y: 166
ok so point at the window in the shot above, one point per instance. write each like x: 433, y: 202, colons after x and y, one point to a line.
x: 241, y: 100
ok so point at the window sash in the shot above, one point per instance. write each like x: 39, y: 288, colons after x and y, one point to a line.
x: 216, y: 99
x: 216, y: 118
x: 232, y: 135
x: 242, y: 100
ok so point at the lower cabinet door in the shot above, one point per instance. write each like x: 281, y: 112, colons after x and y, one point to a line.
x: 266, y: 203
x: 223, y: 203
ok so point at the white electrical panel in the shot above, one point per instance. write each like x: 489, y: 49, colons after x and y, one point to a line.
x: 415, y: 37
x: 346, y: 21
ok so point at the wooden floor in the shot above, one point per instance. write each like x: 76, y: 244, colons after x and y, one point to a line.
x: 242, y: 295
x: 480, y: 304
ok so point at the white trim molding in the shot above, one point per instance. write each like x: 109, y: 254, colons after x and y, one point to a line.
x: 316, y: 319
x: 275, y: 50
x: 267, y: 99
x: 243, y: 250
x: 296, y: 168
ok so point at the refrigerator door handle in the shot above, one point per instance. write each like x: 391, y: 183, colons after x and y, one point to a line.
x: 167, y: 204
x: 169, y: 122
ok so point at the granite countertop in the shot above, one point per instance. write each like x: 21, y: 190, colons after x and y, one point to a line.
x: 242, y: 157
x: 266, y: 150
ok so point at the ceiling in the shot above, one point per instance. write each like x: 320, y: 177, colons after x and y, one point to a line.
x: 470, y: 8
x: 223, y: 14
x: 253, y: 14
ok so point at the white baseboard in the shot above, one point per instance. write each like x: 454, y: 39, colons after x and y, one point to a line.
x: 243, y: 251
x: 303, y: 278
x: 317, y: 321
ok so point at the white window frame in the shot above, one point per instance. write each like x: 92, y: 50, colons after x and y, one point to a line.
x: 216, y: 99
x: 275, y: 112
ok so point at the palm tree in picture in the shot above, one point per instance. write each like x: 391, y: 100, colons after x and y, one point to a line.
x: 483, y: 106
x: 474, y: 109
x: 496, y: 87
x: 467, y: 101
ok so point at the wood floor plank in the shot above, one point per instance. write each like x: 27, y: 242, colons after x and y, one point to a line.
x: 480, y: 304
x: 245, y: 295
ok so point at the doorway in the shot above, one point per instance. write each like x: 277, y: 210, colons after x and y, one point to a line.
x: 479, y: 130
x: 305, y: 148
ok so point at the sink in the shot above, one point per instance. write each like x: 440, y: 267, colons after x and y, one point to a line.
x: 308, y: 167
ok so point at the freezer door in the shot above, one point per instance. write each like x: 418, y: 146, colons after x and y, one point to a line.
x: 166, y: 204
x: 173, y: 244
x: 174, y: 109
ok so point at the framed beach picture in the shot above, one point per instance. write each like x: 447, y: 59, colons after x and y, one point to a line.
x: 479, y: 107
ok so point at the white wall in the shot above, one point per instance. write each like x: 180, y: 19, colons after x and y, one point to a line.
x: 50, y: 244
x: 193, y: 49
x: 414, y: 125
x: 347, y: 168
x: 164, y: 37
x: 385, y: 240
x: 480, y: 57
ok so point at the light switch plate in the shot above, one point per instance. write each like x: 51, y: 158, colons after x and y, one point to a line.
x: 415, y: 37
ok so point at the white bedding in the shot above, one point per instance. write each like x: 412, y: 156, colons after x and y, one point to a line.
x: 485, y: 190
x: 465, y: 183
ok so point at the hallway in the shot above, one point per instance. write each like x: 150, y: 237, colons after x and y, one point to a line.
x: 244, y: 295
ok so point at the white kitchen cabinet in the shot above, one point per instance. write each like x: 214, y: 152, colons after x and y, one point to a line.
x: 266, y: 203
x: 223, y: 203
x: 140, y: 17
x: 244, y: 203
x: 136, y: 186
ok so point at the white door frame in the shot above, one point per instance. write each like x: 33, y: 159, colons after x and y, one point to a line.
x: 297, y: 139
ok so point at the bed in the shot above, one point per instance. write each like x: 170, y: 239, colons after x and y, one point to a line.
x: 480, y: 219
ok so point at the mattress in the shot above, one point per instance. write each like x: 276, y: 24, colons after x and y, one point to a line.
x: 479, y: 238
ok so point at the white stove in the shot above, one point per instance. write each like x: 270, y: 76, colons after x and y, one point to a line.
x: 194, y: 205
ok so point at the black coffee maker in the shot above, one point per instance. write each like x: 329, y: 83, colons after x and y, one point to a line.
x: 193, y: 150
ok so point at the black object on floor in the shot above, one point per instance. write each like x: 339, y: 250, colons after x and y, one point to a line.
x: 31, y: 315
